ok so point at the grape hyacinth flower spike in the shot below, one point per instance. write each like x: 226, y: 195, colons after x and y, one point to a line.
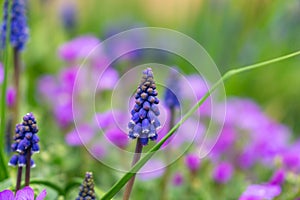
x: 18, y: 35
x: 144, y: 122
x: 86, y: 190
x: 26, y: 144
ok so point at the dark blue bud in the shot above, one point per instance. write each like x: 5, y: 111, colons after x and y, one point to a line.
x: 156, y: 124
x: 155, y: 109
x: 28, y: 135
x: 32, y: 163
x: 135, y: 117
x: 137, y: 130
x: 154, y: 137
x: 35, y: 139
x: 131, y: 125
x: 145, y: 126
x: 146, y: 105
x: 14, y: 146
x: 151, y: 99
x: 22, y: 160
x: 144, y: 141
x: 142, y: 113
x: 35, y: 148
x: 151, y: 116
x: 14, y: 160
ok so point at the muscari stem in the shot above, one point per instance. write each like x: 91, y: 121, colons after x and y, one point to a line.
x: 28, y: 166
x: 136, y: 158
x: 19, y: 178
x: 123, y: 180
x: 166, y: 176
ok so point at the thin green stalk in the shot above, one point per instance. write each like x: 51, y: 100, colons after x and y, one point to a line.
x: 5, y: 56
x: 118, y: 185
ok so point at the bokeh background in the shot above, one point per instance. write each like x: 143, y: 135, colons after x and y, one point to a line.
x: 235, y: 33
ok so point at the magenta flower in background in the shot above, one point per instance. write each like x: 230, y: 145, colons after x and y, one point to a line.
x: 108, y: 79
x: 117, y: 137
x: 1, y: 73
x: 151, y: 170
x: 177, y: 179
x: 10, y: 97
x: 278, y: 177
x: 223, y: 172
x: 26, y: 193
x: 83, y: 134
x: 78, y: 48
x: 261, y: 192
x: 192, y: 162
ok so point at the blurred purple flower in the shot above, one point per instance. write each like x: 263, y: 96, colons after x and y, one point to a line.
x: 151, y: 170
x: 192, y: 162
x: 117, y: 137
x: 80, y: 136
x: 47, y: 86
x: 1, y: 73
x: 177, y: 179
x: 98, y: 151
x: 260, y: 192
x: 278, y: 177
x: 10, y: 97
x: 223, y: 172
x: 26, y: 193
x: 108, y: 79
x: 194, y: 89
x: 78, y: 48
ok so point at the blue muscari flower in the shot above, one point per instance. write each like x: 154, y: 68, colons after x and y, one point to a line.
x: 172, y: 92
x: 4, y: 25
x: 68, y: 16
x: 18, y: 25
x: 144, y: 121
x: 25, y: 137
x: 86, y: 190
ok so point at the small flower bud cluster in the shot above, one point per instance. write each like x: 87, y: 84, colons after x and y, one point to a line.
x: 86, y: 190
x: 144, y: 121
x: 25, y: 139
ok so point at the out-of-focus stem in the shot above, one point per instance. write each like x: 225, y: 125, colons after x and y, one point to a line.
x: 137, y: 156
x: 28, y: 166
x: 17, y: 69
x: 166, y: 176
x: 19, y: 178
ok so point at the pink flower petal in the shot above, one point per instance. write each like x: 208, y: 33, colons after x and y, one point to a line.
x: 42, y: 195
x: 6, y: 195
x: 25, y: 194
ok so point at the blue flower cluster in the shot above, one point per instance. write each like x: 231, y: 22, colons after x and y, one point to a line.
x: 172, y: 92
x: 144, y: 121
x: 18, y: 25
x: 4, y: 25
x: 86, y: 190
x: 26, y: 141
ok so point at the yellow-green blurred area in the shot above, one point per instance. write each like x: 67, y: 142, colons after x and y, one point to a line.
x: 234, y: 32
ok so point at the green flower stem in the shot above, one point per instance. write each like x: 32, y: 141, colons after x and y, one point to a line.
x: 118, y: 185
x: 5, y: 56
